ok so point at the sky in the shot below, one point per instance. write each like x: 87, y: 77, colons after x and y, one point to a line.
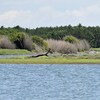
x: 46, y: 13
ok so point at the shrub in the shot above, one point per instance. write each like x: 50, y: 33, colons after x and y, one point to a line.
x: 85, y: 44
x: 21, y: 40
x: 61, y: 46
x: 37, y: 48
x: 17, y: 39
x: 82, y: 45
x: 70, y: 39
x: 40, y: 42
x: 5, y: 43
x: 27, y: 43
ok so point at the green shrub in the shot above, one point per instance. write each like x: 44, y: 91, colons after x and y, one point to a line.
x: 70, y: 39
x: 17, y: 39
x: 40, y: 42
x: 21, y: 40
x: 17, y: 36
x: 45, y: 45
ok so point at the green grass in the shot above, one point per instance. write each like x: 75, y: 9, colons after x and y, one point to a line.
x: 49, y: 60
x: 95, y: 49
x: 13, y: 51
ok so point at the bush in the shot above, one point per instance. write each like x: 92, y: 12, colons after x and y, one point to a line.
x: 66, y: 47
x: 27, y: 43
x: 21, y: 40
x: 40, y: 42
x: 61, y: 46
x: 85, y: 44
x: 17, y: 39
x: 70, y: 39
x: 82, y: 45
x: 5, y: 43
x: 37, y: 48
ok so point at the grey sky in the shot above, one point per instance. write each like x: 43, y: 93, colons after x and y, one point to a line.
x: 38, y: 13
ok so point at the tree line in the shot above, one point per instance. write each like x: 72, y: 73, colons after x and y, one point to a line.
x: 90, y: 33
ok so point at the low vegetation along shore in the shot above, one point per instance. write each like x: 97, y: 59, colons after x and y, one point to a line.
x: 87, y: 57
x: 49, y: 61
x: 65, y: 44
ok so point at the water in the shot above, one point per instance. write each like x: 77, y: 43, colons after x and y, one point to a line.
x: 49, y: 82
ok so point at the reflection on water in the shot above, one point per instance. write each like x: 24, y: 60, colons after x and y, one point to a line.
x: 49, y: 82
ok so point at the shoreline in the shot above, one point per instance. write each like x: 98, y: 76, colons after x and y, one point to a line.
x: 25, y: 57
x: 48, y: 60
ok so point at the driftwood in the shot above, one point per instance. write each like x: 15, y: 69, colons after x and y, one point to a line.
x: 44, y: 54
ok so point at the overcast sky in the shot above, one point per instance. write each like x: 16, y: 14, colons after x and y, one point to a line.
x: 42, y: 13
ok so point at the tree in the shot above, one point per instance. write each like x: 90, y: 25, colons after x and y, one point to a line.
x: 21, y: 40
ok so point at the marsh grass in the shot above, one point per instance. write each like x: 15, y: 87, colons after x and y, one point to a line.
x: 81, y: 58
x: 95, y: 49
x: 14, y: 51
x: 51, y: 60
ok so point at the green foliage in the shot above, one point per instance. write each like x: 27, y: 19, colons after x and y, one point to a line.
x: 39, y: 41
x: 45, y: 45
x: 91, y: 34
x: 22, y: 40
x: 71, y: 39
x: 17, y: 36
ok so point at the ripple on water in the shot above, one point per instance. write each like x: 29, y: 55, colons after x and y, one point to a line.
x: 49, y: 82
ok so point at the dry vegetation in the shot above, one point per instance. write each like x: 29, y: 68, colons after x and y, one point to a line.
x: 66, y: 47
x: 69, y: 45
x: 5, y: 43
x: 27, y: 41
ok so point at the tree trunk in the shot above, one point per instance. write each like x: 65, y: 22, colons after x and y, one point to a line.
x: 44, y: 54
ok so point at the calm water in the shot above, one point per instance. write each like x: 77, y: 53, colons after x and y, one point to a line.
x: 49, y: 82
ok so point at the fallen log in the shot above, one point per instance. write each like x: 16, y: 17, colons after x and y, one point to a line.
x: 44, y: 54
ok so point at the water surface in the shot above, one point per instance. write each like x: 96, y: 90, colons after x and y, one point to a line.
x: 49, y: 82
